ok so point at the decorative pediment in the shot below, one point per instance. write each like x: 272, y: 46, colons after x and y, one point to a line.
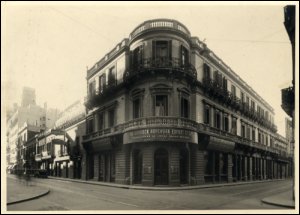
x: 137, y: 92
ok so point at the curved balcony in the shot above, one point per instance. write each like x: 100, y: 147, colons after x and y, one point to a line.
x: 162, y: 65
x: 159, y: 24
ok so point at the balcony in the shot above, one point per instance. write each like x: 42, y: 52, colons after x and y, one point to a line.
x: 288, y: 100
x: 96, y: 97
x: 217, y: 91
x: 157, y: 24
x: 162, y: 65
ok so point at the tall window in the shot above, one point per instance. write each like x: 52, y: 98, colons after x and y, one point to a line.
x: 101, y: 121
x: 233, y: 90
x: 102, y: 83
x: 184, y: 108
x: 136, y: 108
x: 162, y: 52
x: 90, y: 125
x: 248, y: 132
x: 234, y: 126
x: 206, y: 114
x: 243, y: 130
x: 184, y: 56
x: 242, y: 97
x: 161, y: 105
x: 92, y: 88
x: 226, y: 123
x: 247, y: 101
x: 259, y: 137
x: 253, y: 133
x: 112, y: 76
x: 217, y: 119
x: 225, y: 83
x: 206, y: 70
x: 252, y: 105
x: 111, y: 117
x: 138, y: 56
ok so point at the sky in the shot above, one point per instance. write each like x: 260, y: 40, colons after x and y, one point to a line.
x: 49, y: 46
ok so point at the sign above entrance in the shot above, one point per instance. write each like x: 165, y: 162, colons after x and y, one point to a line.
x: 220, y: 144
x: 160, y: 134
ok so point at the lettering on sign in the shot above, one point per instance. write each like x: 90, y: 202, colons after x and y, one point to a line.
x: 161, y: 134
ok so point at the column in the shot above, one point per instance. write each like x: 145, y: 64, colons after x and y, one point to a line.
x: 250, y: 168
x: 229, y: 168
x: 265, y: 169
x: 254, y: 168
x: 213, y: 166
x: 220, y: 166
x: 96, y: 167
x: 236, y: 167
x: 240, y: 168
x: 148, y: 169
x: 174, y: 177
x: 246, y: 168
x: 197, y: 161
x: 261, y: 168
x: 120, y: 156
x: 71, y: 169
x: 272, y: 168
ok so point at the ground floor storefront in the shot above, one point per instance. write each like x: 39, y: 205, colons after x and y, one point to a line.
x: 175, y: 163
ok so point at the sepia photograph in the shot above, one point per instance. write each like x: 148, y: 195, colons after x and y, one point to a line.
x: 149, y: 107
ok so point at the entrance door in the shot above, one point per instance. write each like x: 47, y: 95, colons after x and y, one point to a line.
x: 137, y: 169
x: 161, y: 166
x: 184, y: 166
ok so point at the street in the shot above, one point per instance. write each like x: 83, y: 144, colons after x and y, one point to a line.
x: 66, y: 195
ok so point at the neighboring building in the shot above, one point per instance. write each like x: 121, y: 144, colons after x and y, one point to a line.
x: 28, y: 97
x: 26, y: 132
x: 163, y: 109
x: 289, y: 135
x: 32, y: 115
x: 72, y: 122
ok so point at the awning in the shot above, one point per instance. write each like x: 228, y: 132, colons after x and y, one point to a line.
x: 102, y: 144
x: 219, y: 144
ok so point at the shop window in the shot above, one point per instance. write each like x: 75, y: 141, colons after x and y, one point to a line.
x: 161, y: 105
x: 184, y: 108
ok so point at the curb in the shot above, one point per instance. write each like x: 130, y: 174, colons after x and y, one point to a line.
x: 162, y: 188
x: 277, y: 204
x: 30, y: 198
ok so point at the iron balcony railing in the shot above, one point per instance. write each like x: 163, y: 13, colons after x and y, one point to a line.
x: 161, y: 63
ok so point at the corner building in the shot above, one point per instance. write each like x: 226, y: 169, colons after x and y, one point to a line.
x: 163, y: 109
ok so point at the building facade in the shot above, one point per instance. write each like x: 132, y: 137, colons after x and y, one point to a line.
x: 23, y: 118
x: 163, y: 109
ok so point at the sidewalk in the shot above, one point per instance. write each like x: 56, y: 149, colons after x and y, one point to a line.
x: 162, y: 188
x: 282, y: 199
x: 19, y: 190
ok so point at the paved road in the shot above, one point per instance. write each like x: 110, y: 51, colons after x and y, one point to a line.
x: 77, y: 196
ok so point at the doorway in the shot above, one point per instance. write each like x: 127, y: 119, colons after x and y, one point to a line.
x: 137, y: 168
x: 161, y: 167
